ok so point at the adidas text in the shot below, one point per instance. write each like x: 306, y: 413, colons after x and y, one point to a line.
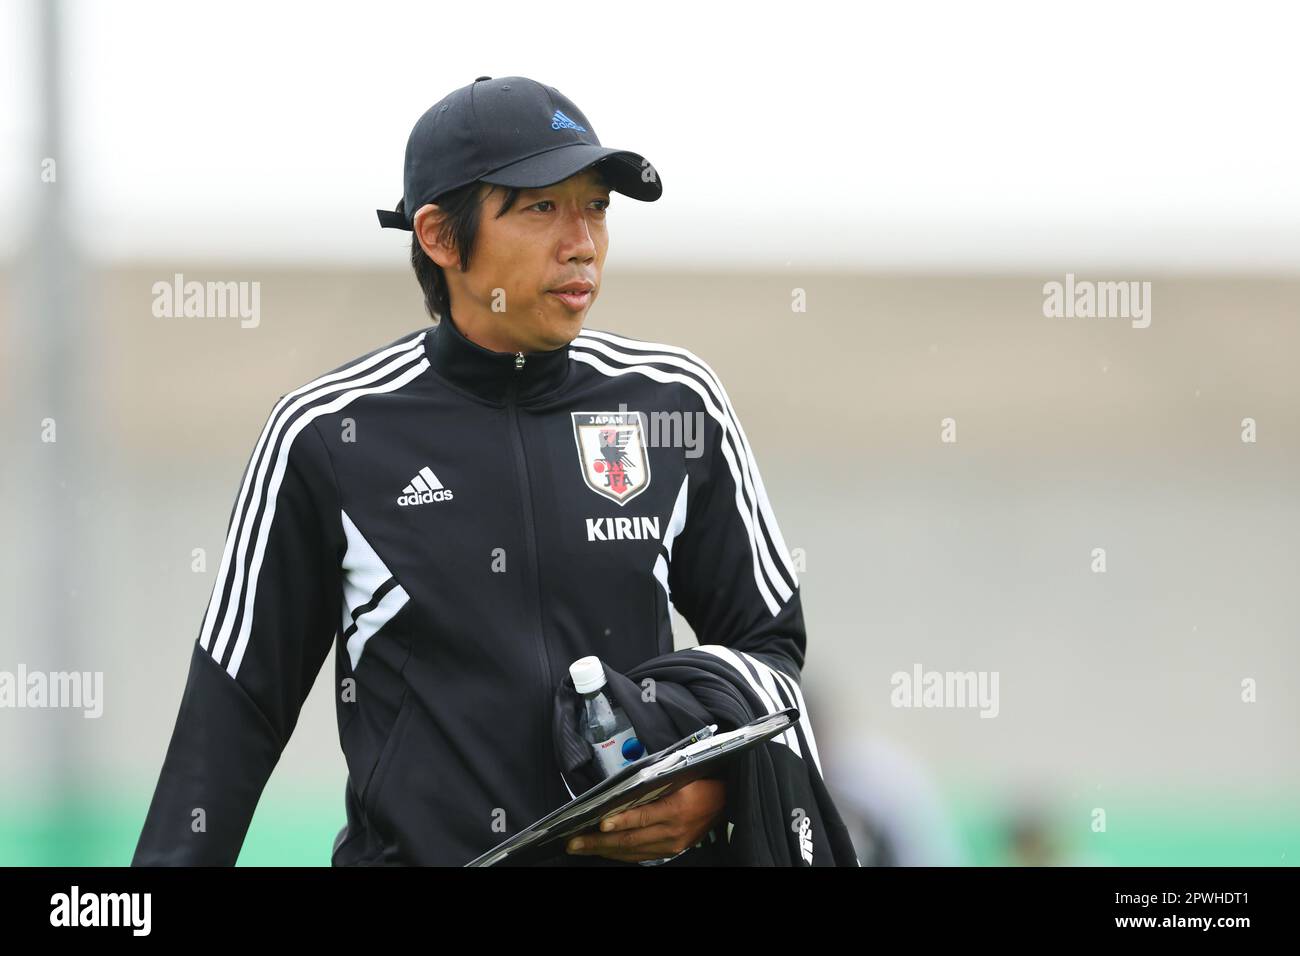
x: 425, y: 497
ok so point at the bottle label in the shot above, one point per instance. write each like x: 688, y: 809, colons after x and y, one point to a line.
x: 618, y: 751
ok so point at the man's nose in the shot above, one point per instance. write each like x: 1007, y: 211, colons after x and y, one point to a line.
x: 577, y: 243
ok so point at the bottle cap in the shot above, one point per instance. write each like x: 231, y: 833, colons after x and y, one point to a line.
x: 588, y: 674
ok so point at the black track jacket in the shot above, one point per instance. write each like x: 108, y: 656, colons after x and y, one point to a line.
x: 461, y: 525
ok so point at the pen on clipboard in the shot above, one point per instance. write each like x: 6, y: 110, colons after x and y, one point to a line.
x: 706, y: 731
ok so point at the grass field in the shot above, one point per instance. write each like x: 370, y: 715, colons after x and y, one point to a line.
x: 298, y: 830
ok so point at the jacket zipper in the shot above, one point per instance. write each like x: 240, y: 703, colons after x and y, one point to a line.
x: 530, y: 538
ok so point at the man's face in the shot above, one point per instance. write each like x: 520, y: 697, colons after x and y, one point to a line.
x: 552, y: 236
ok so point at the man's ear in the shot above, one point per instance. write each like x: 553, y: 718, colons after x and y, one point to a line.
x: 427, y: 221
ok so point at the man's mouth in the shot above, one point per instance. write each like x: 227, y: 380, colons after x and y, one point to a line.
x: 575, y: 300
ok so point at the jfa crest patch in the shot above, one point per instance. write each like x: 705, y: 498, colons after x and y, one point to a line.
x: 612, y: 453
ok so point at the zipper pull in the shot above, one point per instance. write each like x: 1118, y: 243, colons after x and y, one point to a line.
x: 519, y: 361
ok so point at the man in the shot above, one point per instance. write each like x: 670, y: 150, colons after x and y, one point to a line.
x: 469, y: 509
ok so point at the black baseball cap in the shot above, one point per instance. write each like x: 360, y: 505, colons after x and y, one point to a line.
x: 511, y: 131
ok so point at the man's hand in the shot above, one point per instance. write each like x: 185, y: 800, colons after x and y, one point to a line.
x: 658, y: 829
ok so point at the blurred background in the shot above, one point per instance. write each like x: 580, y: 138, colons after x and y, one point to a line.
x: 862, y: 207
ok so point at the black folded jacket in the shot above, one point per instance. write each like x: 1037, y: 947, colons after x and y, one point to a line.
x: 779, y: 812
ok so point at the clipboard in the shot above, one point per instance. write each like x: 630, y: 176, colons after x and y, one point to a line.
x: 648, y: 778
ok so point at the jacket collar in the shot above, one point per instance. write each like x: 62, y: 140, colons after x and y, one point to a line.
x: 489, y: 375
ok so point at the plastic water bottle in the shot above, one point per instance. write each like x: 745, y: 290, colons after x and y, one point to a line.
x: 604, y: 724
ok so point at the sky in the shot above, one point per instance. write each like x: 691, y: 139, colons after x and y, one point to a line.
x: 813, y: 135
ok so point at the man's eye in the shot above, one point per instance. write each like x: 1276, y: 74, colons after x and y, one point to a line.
x: 603, y: 204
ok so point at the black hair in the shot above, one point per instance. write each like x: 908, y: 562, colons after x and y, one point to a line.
x: 459, y: 228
